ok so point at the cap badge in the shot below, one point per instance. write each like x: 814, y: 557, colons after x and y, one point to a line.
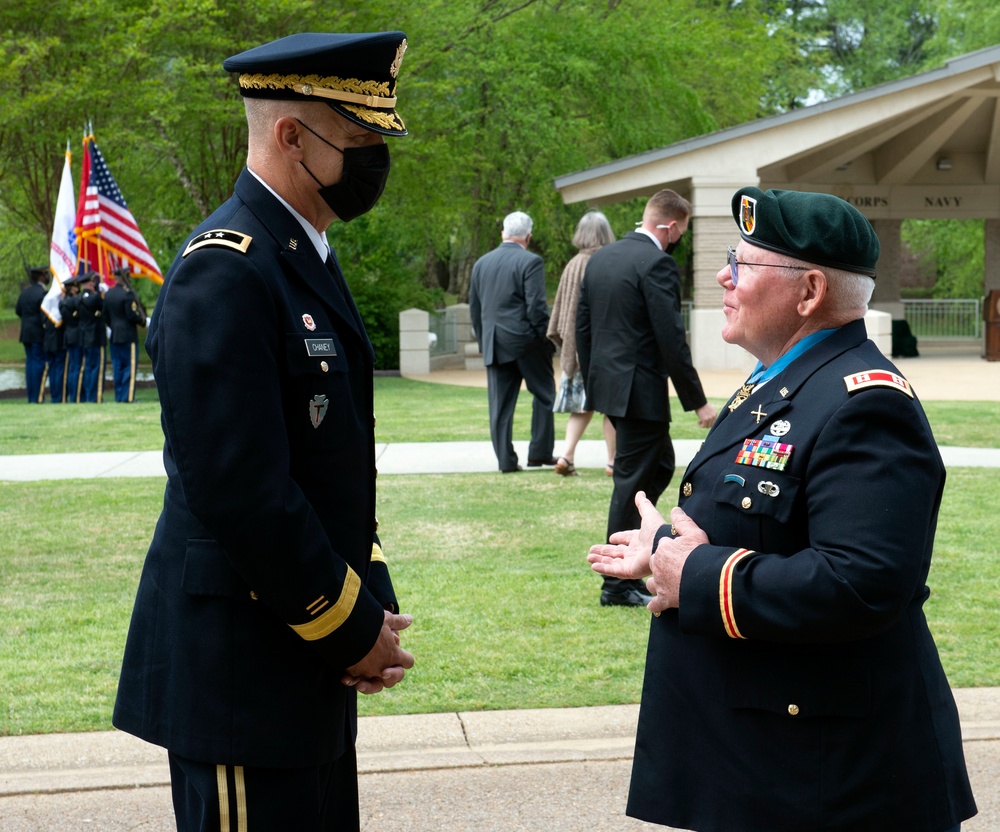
x: 317, y: 409
x: 310, y: 324
x: 748, y: 214
x: 394, y: 68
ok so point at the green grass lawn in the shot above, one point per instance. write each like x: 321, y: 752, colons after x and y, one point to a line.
x: 407, y: 411
x: 493, y: 568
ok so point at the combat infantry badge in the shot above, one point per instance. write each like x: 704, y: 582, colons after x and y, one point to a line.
x: 317, y: 409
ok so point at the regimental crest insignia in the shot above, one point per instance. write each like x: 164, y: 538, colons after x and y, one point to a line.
x: 317, y: 409
x: 308, y: 322
x: 748, y: 214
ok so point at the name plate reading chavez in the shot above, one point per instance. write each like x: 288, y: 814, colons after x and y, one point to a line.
x: 320, y: 347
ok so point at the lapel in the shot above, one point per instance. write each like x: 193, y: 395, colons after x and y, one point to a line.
x: 299, y: 256
x: 753, y: 418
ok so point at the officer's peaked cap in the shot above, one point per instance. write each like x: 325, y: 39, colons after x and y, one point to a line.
x: 355, y: 74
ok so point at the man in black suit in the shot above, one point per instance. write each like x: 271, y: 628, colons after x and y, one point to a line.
x: 265, y: 602
x: 29, y: 310
x: 791, y: 679
x: 630, y: 339
x: 510, y: 317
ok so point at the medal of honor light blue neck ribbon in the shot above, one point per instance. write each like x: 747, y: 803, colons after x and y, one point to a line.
x: 761, y: 373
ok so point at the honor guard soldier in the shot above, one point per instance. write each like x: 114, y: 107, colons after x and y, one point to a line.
x: 54, y: 341
x: 123, y: 313
x: 93, y: 338
x: 29, y: 310
x: 69, y: 309
x: 792, y: 682
x: 265, y: 602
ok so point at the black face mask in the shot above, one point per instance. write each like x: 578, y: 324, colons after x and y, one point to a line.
x: 362, y: 179
x: 671, y: 247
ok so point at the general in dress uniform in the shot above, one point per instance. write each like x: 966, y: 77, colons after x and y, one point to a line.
x: 792, y: 682
x: 265, y: 601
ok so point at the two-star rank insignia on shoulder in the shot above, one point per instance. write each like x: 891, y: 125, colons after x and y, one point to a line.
x: 877, y: 378
x: 220, y: 237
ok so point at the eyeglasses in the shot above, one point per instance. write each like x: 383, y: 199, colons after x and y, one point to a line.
x: 733, y: 263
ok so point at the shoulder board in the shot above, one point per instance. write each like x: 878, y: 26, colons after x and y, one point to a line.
x: 877, y: 378
x: 220, y: 237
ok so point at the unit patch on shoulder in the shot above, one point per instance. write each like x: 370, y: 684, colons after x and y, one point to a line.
x: 877, y: 378
x: 220, y: 237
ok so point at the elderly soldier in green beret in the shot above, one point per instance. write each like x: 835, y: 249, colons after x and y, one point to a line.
x: 265, y: 603
x: 791, y: 679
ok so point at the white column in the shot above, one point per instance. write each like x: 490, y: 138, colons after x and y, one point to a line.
x: 414, y: 343
x: 887, y: 297
x: 714, y: 230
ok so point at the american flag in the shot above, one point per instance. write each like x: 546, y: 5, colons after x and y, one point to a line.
x: 106, y: 232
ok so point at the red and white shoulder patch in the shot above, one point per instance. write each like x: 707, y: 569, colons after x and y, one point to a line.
x: 877, y: 378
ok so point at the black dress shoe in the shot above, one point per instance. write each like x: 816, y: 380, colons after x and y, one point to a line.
x: 513, y: 470
x: 628, y: 598
x: 538, y: 463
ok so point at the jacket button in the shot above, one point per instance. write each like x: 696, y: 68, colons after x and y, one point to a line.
x: 253, y: 595
x: 687, y: 489
x: 793, y: 710
x: 324, y: 366
x: 747, y: 502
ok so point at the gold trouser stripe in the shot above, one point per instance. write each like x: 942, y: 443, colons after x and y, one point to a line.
x: 329, y: 621
x: 79, y: 375
x: 100, y: 378
x: 225, y: 821
x: 377, y: 553
x: 220, y: 777
x: 41, y: 387
x: 241, y: 800
x: 65, y: 380
x: 131, y: 371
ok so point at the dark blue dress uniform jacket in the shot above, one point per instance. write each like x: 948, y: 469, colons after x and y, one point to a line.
x: 264, y: 579
x: 798, y: 688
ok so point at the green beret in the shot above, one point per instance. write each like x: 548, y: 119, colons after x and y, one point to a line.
x: 817, y: 228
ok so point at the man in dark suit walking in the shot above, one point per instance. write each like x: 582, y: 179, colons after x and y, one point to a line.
x: 630, y: 338
x: 510, y: 317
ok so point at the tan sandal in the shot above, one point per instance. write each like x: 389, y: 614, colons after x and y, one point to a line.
x: 565, y: 468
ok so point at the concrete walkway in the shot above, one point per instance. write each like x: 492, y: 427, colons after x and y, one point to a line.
x: 562, y: 770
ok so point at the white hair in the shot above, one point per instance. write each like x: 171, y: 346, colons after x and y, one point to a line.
x: 846, y: 291
x: 517, y: 226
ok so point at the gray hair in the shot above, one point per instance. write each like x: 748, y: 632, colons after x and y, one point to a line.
x: 593, y: 231
x: 517, y: 226
x: 847, y: 292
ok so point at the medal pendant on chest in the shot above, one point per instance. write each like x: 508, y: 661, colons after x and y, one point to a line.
x: 741, y: 396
